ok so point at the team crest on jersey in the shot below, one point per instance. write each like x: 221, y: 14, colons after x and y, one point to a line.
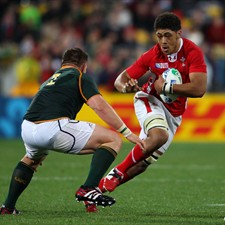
x: 172, y: 57
x: 162, y: 65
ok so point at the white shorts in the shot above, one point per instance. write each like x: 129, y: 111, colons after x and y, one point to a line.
x: 65, y: 135
x: 147, y: 105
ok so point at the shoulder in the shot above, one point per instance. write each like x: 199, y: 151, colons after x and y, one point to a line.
x: 154, y: 50
x: 68, y: 73
x: 153, y: 53
x: 87, y: 82
x: 86, y: 77
x: 194, y: 56
x: 192, y: 51
x: 87, y: 86
x: 190, y: 46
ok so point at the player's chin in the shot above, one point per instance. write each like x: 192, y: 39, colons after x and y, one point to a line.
x: 166, y: 50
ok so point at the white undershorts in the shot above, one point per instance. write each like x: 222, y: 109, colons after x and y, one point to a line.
x: 64, y: 135
x: 147, y: 105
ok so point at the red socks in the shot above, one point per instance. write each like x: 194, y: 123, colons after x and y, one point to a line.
x: 132, y: 158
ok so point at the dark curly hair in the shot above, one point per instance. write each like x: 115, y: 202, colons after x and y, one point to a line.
x: 167, y: 20
x: 75, y: 56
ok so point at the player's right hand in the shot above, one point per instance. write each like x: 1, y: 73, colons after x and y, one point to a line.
x: 159, y: 84
x: 131, y: 86
x: 136, y: 140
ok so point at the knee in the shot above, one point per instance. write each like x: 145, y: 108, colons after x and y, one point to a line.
x: 156, y: 138
x: 156, y: 128
x: 161, y: 136
x: 113, y: 141
x: 117, y: 142
x: 33, y: 163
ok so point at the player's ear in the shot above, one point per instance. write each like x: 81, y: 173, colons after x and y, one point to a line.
x: 84, y: 68
x: 179, y: 32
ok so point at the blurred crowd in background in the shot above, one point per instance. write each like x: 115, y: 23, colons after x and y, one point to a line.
x: 34, y: 34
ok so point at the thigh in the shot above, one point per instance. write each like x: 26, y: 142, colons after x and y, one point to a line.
x: 103, y: 136
x: 72, y: 136
x: 173, y: 124
x: 147, y: 106
x: 34, y: 144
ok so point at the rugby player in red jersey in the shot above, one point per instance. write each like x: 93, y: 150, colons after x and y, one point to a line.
x: 158, y: 120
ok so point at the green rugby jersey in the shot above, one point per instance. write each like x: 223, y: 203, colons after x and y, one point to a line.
x: 62, y: 95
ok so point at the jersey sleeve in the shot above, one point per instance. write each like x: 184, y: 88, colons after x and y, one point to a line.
x: 140, y: 66
x: 196, y: 61
x: 87, y: 86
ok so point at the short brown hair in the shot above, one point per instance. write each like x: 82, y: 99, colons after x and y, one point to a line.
x: 75, y: 56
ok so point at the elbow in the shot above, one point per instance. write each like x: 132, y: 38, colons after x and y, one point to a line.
x: 199, y: 93
x: 199, y: 90
x: 100, y: 109
x: 116, y: 85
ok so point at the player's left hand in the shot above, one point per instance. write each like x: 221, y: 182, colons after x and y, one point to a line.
x: 158, y: 84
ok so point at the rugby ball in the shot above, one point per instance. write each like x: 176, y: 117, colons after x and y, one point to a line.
x: 171, y: 76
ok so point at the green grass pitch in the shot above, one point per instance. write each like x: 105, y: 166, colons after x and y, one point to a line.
x: 186, y: 186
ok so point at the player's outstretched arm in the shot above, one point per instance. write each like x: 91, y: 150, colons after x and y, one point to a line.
x: 105, y: 111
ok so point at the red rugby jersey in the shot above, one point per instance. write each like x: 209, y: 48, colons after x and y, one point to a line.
x: 188, y: 59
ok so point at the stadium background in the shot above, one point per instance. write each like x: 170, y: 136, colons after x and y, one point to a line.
x: 34, y: 35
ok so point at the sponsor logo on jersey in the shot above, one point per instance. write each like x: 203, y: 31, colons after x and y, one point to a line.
x: 162, y: 65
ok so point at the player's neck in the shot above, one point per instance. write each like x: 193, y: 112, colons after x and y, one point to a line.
x: 69, y: 65
x: 179, y: 45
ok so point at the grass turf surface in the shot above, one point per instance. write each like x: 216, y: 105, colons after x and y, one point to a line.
x: 186, y: 186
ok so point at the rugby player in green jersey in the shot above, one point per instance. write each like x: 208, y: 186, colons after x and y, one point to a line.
x: 49, y: 124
